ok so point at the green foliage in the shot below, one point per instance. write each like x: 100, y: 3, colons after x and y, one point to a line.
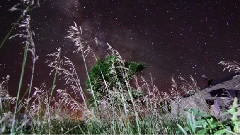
x: 112, y: 73
x: 235, y: 111
x: 198, y: 122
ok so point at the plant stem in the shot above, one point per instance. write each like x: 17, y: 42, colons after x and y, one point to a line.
x: 20, y: 84
x: 14, y: 26
x: 10, y: 31
x: 53, y: 87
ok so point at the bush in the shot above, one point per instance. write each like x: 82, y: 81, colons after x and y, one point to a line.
x: 110, y: 74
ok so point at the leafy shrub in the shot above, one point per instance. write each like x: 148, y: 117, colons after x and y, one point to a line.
x: 112, y: 73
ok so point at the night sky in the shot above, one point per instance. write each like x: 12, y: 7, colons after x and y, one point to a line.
x: 173, y: 37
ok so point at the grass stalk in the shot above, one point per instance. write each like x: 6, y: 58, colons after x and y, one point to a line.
x: 52, y: 89
x: 20, y: 85
x: 88, y: 77
x: 10, y: 32
x: 15, y: 25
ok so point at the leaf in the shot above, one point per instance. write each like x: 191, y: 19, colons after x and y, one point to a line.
x: 231, y: 132
x: 193, y: 123
x: 227, y: 128
x: 202, y: 131
x: 181, y: 128
x: 202, y: 122
x: 222, y: 131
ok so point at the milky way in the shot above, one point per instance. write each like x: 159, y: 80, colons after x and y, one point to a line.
x: 172, y: 37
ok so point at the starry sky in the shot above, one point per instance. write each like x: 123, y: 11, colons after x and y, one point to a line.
x: 173, y: 37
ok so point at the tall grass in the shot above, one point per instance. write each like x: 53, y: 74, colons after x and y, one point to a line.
x: 27, y: 34
x: 45, y: 113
